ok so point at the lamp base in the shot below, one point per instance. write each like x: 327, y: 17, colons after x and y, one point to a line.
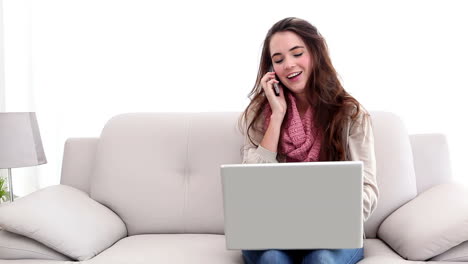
x: 10, y: 185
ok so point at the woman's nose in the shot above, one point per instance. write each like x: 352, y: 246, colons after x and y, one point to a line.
x: 288, y: 64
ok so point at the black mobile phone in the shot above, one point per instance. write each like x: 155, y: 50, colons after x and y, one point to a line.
x: 275, y: 85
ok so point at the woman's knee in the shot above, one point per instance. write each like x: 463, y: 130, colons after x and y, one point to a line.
x: 273, y: 256
x: 333, y: 256
x: 319, y: 256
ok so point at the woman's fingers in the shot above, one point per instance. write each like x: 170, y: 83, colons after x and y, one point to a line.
x: 267, y: 82
x: 277, y: 103
x: 270, y: 84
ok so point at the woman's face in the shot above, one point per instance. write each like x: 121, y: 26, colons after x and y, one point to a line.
x: 291, y: 60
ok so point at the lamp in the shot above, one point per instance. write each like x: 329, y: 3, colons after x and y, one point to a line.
x: 20, y: 143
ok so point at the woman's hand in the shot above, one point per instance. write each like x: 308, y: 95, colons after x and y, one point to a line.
x: 277, y: 103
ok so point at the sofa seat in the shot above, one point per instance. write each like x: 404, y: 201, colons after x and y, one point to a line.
x: 169, y: 248
x: 36, y: 261
x: 206, y: 248
x: 202, y: 248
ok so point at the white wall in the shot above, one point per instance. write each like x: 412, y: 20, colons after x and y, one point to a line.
x: 3, y: 172
x: 2, y: 71
x: 78, y: 63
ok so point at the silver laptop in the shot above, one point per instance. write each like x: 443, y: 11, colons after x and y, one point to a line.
x: 304, y: 205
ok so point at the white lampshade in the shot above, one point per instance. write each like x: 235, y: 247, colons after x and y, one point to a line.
x: 20, y: 141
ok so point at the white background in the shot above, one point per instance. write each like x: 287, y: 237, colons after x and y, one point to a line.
x: 78, y: 63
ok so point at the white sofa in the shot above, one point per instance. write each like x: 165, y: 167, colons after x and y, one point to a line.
x: 158, y: 173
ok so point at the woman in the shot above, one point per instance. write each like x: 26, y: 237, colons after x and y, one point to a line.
x: 312, y: 119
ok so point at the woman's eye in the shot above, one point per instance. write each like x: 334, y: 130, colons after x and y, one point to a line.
x: 297, y: 55
x: 278, y: 61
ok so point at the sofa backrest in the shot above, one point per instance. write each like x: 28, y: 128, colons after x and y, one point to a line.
x: 160, y: 171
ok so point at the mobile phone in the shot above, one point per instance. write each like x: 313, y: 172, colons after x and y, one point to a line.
x: 275, y: 85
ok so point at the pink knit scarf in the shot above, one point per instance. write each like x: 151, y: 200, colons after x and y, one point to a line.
x: 299, y: 138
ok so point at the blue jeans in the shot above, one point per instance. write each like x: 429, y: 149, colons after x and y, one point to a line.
x: 316, y: 256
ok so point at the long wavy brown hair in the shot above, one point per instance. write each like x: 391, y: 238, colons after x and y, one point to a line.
x: 324, y: 91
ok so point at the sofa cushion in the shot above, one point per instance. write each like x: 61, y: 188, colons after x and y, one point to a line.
x: 64, y: 219
x: 457, y: 253
x: 167, y: 167
x: 395, y: 172
x: 14, y: 246
x: 169, y: 248
x: 430, y: 224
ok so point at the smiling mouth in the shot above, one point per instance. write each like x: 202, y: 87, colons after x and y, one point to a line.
x: 292, y: 75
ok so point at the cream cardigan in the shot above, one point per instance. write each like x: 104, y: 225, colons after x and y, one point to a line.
x: 359, y: 146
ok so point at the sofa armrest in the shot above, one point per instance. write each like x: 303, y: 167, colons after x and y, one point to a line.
x: 458, y: 253
x: 430, y: 224
x: 14, y: 246
x: 431, y: 160
x: 78, y: 162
